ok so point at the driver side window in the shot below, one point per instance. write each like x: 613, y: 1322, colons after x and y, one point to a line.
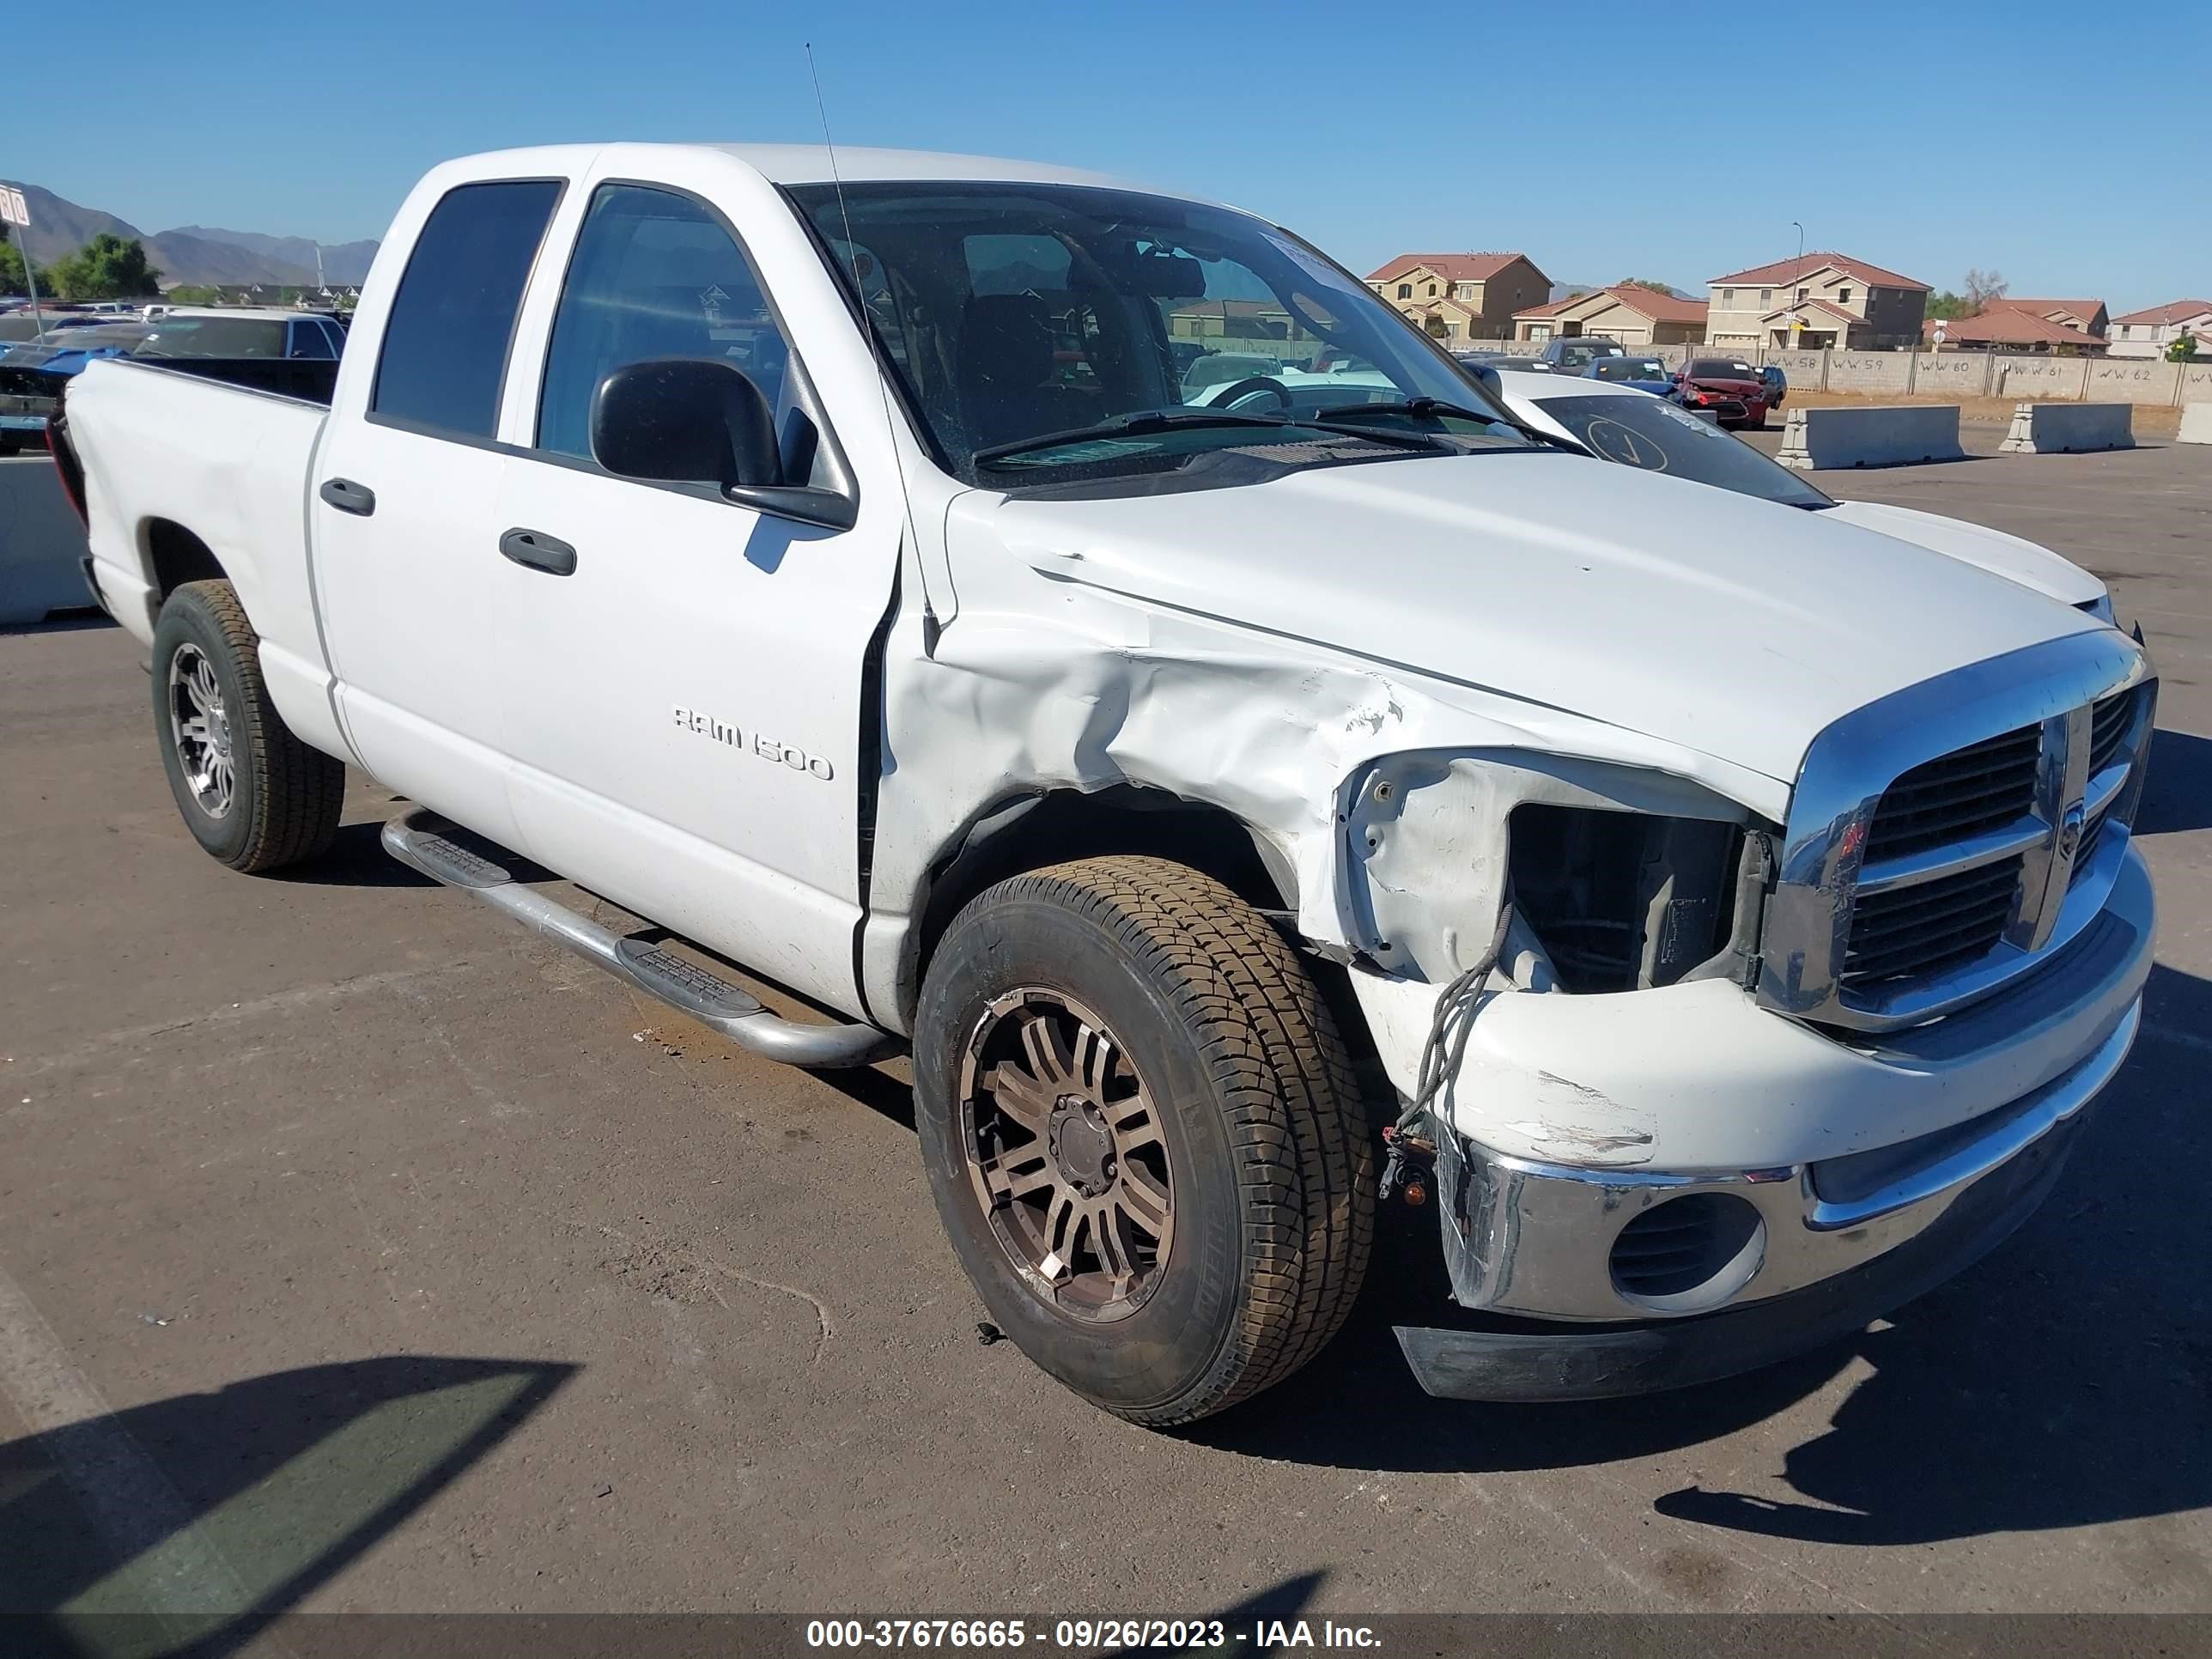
x: 653, y: 275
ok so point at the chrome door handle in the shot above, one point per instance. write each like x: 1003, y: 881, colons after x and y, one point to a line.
x: 540, y: 551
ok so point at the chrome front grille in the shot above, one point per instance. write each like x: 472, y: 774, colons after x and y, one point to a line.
x: 2108, y: 727
x: 1982, y: 786
x: 1948, y: 838
x: 1925, y: 928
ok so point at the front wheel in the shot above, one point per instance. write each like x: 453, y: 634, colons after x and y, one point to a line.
x: 1143, y: 1135
x: 252, y: 794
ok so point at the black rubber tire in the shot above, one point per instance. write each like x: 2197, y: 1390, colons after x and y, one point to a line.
x: 1267, y: 1142
x: 289, y: 797
x: 11, y: 447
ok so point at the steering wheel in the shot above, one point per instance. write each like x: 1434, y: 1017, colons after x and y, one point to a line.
x: 1250, y: 386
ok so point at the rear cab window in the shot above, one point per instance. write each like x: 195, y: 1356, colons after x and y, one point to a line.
x: 444, y: 354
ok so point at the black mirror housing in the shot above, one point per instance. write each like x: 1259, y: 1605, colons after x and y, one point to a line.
x: 685, y: 420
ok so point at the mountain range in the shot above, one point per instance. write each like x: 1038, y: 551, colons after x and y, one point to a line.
x: 192, y: 253
x: 199, y: 254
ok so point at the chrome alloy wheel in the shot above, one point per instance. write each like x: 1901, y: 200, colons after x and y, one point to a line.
x: 199, y: 725
x: 1064, y: 1150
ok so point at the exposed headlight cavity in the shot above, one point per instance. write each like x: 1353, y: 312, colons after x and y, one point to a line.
x: 1627, y: 879
x: 1624, y: 901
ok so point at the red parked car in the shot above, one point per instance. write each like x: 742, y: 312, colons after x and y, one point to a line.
x: 1731, y: 389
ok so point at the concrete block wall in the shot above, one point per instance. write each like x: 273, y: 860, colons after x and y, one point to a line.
x: 2130, y: 380
x: 1870, y: 371
x: 41, y: 542
x: 1950, y: 373
x: 2024, y: 376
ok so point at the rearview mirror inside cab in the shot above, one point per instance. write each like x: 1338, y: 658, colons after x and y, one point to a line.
x: 685, y: 420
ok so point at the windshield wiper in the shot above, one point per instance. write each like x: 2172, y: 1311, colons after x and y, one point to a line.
x: 1125, y: 426
x: 1429, y: 408
x: 1164, y: 420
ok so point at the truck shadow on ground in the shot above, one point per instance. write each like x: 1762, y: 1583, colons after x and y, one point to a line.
x: 2064, y: 1381
x: 2177, y: 793
x: 194, y: 1522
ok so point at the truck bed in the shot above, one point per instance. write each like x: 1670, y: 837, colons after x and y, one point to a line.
x: 183, y: 462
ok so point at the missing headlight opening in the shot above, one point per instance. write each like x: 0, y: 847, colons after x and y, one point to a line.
x: 1624, y: 900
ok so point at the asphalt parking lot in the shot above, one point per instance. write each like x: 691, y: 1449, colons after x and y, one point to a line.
x: 360, y: 1251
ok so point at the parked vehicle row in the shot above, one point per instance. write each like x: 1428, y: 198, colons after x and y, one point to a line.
x: 1250, y: 801
x: 251, y: 342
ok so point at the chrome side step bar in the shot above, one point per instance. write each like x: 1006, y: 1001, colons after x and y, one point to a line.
x: 459, y: 859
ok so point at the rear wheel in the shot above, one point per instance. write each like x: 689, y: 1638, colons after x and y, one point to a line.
x: 1143, y: 1135
x: 251, y: 793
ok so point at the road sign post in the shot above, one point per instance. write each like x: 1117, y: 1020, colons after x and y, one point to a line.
x: 14, y: 211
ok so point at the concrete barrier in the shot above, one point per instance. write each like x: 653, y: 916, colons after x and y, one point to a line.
x: 41, y: 542
x: 2196, y: 423
x: 2069, y: 428
x: 1816, y: 439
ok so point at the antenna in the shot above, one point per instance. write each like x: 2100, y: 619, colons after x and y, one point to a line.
x: 875, y: 346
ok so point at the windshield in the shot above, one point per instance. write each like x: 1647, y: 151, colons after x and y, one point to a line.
x: 1720, y: 368
x: 1578, y: 355
x: 1628, y: 369
x: 1013, y: 313
x: 215, y: 337
x: 1654, y: 434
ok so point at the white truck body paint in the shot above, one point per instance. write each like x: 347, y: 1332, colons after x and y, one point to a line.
x: 1489, y: 628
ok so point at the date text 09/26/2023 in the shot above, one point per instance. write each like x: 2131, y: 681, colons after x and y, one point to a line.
x: 1087, y: 1634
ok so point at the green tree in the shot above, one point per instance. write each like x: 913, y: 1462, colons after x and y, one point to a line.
x: 105, y: 268
x: 1946, y: 306
x: 1645, y: 281
x: 12, y: 280
x: 2183, y: 351
x: 188, y: 294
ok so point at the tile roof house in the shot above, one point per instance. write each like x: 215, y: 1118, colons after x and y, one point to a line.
x: 1461, y: 295
x: 1825, y: 299
x: 2148, y: 334
x: 2005, y: 329
x: 1624, y: 312
x: 2086, y: 315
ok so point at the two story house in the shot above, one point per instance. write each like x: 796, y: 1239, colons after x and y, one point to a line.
x: 1462, y: 296
x: 2148, y: 334
x: 1818, y: 299
x: 1632, y: 315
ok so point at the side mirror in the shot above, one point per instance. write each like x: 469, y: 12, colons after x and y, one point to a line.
x: 685, y: 420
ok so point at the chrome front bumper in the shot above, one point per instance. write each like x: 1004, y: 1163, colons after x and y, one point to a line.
x: 1537, y: 1239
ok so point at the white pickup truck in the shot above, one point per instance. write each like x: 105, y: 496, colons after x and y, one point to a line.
x: 1247, y: 809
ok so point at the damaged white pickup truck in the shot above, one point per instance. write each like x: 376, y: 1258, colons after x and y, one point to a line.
x: 1245, y: 802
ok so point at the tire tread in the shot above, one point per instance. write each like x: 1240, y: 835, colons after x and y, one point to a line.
x: 1293, y: 1107
x: 300, y: 791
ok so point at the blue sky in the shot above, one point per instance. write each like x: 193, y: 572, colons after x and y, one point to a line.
x: 1369, y: 138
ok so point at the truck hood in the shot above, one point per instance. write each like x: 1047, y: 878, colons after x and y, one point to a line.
x: 2010, y: 557
x: 1729, y: 625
